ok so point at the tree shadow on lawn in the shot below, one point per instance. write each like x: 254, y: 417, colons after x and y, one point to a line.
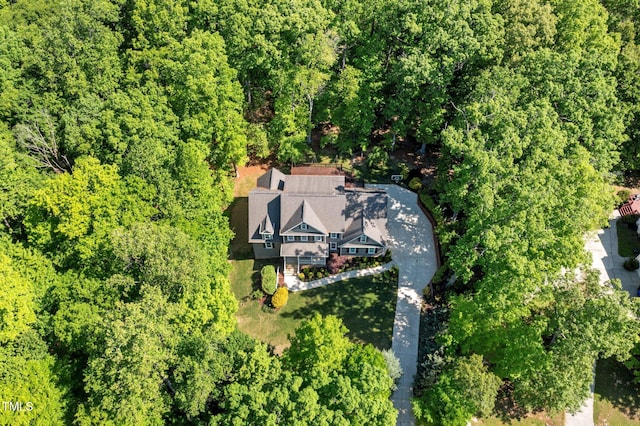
x: 614, y: 383
x: 238, y: 214
x: 365, y: 305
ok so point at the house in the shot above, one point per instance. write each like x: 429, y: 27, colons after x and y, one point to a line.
x: 305, y: 218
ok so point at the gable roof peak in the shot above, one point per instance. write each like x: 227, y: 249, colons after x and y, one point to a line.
x: 273, y: 179
x: 310, y: 217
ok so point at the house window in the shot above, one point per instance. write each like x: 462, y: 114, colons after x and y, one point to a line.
x: 268, y: 245
x: 371, y: 250
x: 318, y: 238
x: 353, y: 250
x: 333, y: 235
x: 291, y: 238
x: 268, y: 236
x: 363, y: 239
x: 304, y: 238
x: 333, y: 246
x: 303, y: 226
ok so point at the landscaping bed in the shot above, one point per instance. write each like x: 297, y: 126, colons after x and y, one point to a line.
x: 338, y: 264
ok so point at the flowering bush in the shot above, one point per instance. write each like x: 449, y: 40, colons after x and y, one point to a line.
x: 280, y: 297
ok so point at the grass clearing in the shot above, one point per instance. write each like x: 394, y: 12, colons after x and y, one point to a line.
x: 617, y: 398
x: 627, y: 239
x: 365, y: 305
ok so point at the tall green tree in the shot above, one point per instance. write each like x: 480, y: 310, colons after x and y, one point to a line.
x: 71, y: 217
x: 332, y: 366
x: 466, y: 388
x: 27, y: 371
x: 126, y: 381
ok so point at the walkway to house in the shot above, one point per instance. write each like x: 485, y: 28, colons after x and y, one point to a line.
x: 411, y: 241
x: 294, y: 284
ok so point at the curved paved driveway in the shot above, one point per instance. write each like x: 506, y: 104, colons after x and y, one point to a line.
x: 411, y: 240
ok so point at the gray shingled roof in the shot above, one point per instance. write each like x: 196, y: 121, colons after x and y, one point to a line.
x: 262, y: 203
x: 281, y: 202
x: 267, y: 225
x: 327, y: 185
x: 313, y: 249
x: 366, y: 213
x: 324, y: 212
x: 274, y: 180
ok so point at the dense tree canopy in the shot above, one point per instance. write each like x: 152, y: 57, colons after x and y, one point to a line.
x: 122, y: 123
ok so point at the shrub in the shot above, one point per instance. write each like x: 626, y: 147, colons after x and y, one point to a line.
x: 257, y: 294
x: 329, y: 139
x: 268, y: 309
x: 415, y: 184
x: 631, y: 264
x: 301, y: 276
x: 280, y: 297
x: 440, y: 274
x: 269, y: 279
x: 336, y: 263
x: 630, y: 219
x: 623, y: 196
x: 377, y: 158
x: 394, y: 271
x: 434, y: 209
x: 426, y: 292
x: 393, y: 365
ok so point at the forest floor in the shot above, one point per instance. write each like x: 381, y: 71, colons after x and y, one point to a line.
x: 631, y: 182
x: 539, y: 419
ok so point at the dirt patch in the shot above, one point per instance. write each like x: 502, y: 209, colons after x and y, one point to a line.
x: 247, y: 177
x: 279, y: 349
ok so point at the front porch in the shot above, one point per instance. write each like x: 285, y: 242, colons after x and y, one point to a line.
x: 292, y: 264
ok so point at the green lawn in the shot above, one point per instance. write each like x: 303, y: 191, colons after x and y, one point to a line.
x: 365, y: 305
x: 617, y: 398
x: 627, y: 240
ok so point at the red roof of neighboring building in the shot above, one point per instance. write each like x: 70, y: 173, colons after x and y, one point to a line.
x: 632, y: 206
x: 318, y: 170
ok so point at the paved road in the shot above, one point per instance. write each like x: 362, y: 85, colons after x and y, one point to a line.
x: 411, y: 240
